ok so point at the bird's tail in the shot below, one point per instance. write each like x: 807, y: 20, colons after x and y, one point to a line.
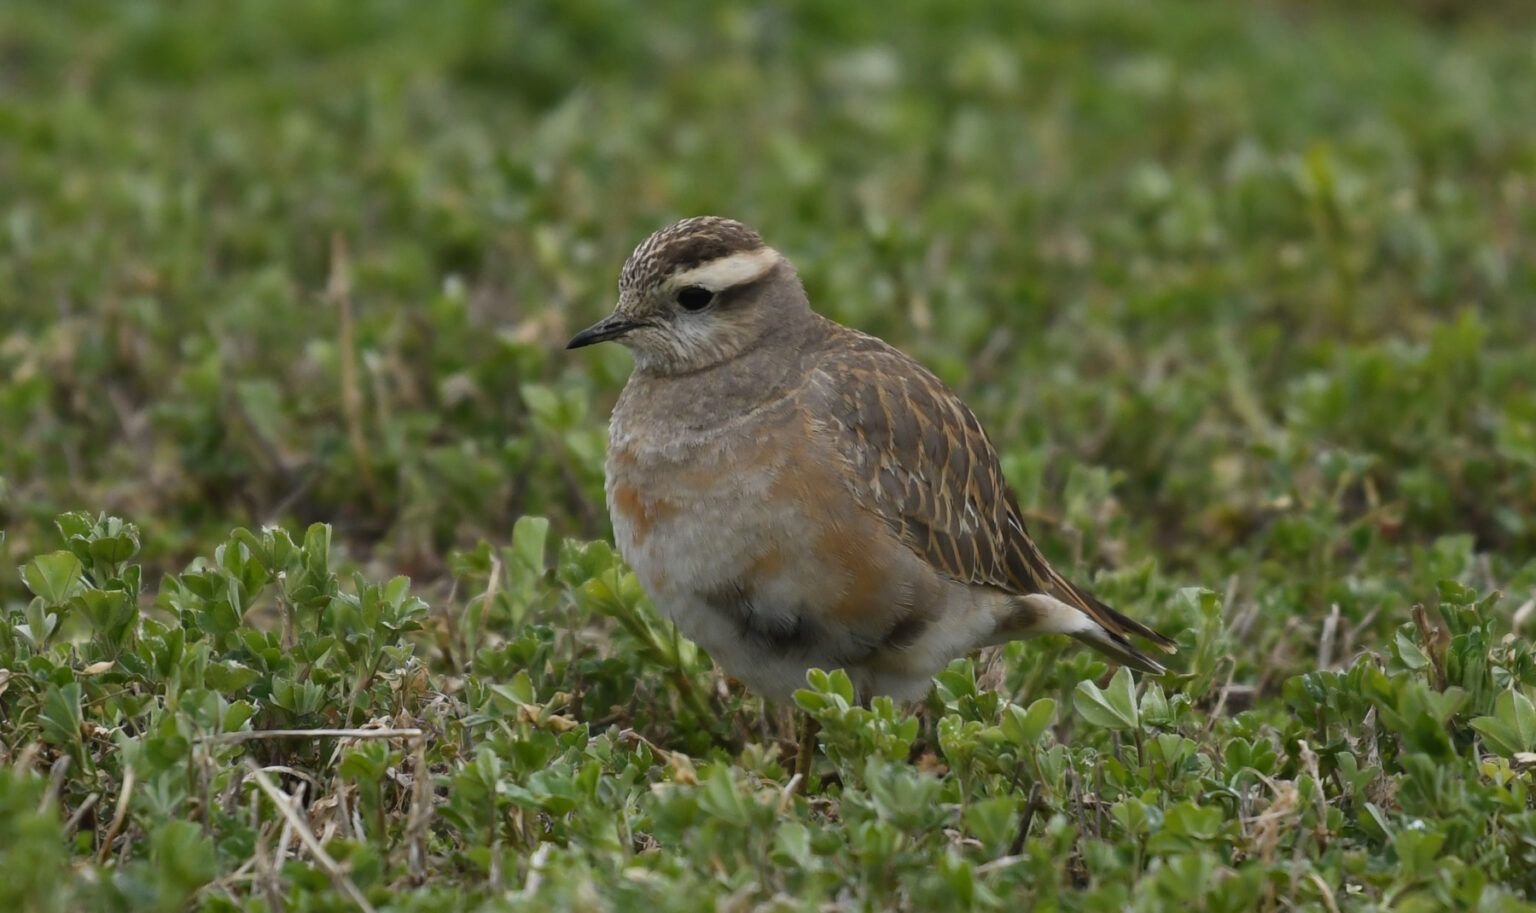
x: 1121, y: 650
x: 1080, y: 615
x: 1061, y: 607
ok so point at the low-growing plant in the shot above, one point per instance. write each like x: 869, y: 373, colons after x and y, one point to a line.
x: 1243, y: 293
x: 269, y: 732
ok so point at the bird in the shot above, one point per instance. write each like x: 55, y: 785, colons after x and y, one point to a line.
x: 794, y: 493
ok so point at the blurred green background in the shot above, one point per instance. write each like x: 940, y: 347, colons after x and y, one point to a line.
x: 1243, y: 291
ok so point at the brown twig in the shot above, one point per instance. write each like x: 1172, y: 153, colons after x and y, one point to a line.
x: 283, y: 802
x: 55, y: 781
x: 1435, y: 641
x: 266, y: 878
x: 1221, y: 699
x: 119, y: 816
x: 492, y: 589
x: 418, y: 822
x: 74, y: 820
x: 1326, y: 641
x: 1027, y: 818
x: 338, y: 289
x: 254, y: 734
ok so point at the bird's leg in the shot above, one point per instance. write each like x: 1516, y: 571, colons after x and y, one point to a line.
x: 922, y: 708
x: 991, y: 670
x: 807, y: 750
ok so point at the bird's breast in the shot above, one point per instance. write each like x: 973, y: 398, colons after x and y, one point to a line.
x: 690, y: 508
x: 750, y: 540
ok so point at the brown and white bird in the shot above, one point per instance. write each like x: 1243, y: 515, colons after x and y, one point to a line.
x: 797, y: 494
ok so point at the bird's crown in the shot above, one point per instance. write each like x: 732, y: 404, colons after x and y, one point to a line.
x: 685, y: 246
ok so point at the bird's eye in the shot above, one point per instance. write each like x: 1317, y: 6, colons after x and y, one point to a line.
x: 694, y: 298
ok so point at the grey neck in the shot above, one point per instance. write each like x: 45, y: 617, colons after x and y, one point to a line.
x: 770, y: 367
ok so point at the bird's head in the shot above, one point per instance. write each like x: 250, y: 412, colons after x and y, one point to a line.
x: 697, y: 293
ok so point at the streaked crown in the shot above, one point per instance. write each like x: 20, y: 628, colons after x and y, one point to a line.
x: 684, y: 246
x: 698, y: 293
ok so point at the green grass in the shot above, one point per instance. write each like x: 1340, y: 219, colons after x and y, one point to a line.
x: 1245, y: 293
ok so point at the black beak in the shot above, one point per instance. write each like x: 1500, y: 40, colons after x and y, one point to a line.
x: 611, y: 327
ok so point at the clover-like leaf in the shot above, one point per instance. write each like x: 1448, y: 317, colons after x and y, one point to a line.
x: 1024, y: 727
x: 55, y: 576
x: 1512, y: 727
x: 1113, y: 707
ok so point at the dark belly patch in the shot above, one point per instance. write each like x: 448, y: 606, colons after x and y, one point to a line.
x: 794, y: 633
x: 799, y: 634
x: 906, y: 632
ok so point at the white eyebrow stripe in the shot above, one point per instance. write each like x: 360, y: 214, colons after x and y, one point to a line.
x: 730, y: 271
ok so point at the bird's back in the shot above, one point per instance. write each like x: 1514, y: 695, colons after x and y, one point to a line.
x: 919, y: 460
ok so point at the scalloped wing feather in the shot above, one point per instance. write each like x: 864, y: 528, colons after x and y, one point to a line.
x: 921, y: 461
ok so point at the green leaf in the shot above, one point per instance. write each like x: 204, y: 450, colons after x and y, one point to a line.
x: 1154, y: 705
x: 529, y: 537
x: 366, y: 762
x: 1512, y: 727
x: 1135, y: 817
x: 184, y: 860
x: 1192, y: 822
x: 1408, y: 651
x: 114, y: 549
x: 62, y: 719
x: 75, y: 523
x: 720, y: 798
x: 1374, y: 822
x: 993, y: 822
x: 792, y: 845
x: 835, y: 683
x: 1417, y: 849
x: 1024, y: 727
x: 110, y: 612
x: 1110, y: 708
x: 55, y: 576
x: 543, y: 402
x: 521, y: 688
x: 41, y: 623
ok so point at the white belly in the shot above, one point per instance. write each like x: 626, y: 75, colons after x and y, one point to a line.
x: 694, y: 523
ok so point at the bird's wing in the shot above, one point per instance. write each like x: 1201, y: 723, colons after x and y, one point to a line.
x: 921, y: 462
